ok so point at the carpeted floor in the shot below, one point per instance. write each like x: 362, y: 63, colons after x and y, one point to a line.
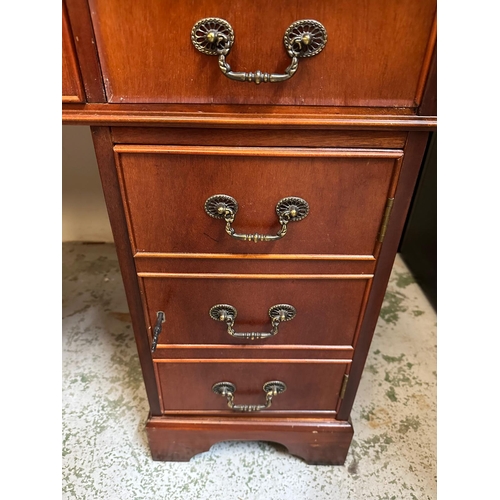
x: 105, y: 452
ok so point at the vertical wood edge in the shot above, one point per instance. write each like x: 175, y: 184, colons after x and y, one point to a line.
x: 427, y: 62
x: 414, y: 153
x: 428, y: 98
x: 123, y: 189
x: 80, y: 97
x: 428, y: 105
x: 109, y: 179
x: 82, y: 30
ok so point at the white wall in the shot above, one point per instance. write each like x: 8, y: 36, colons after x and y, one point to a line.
x: 84, y: 215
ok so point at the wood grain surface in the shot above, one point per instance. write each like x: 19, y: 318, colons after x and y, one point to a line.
x: 309, y: 386
x: 317, y: 441
x: 85, y: 46
x: 414, y: 152
x: 263, y: 138
x: 72, y: 88
x: 374, y: 54
x: 166, y: 189
x: 328, y: 311
x: 104, y: 153
x: 247, y: 117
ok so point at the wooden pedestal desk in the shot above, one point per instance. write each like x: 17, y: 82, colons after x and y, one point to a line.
x: 256, y: 215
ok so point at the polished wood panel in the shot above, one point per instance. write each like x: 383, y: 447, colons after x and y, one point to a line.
x: 166, y: 189
x: 188, y: 386
x: 414, y: 152
x: 256, y: 276
x: 261, y: 151
x: 72, y: 88
x: 334, y: 134
x: 105, y: 160
x: 427, y: 69
x: 85, y: 46
x: 280, y: 138
x: 247, y: 264
x: 284, y: 117
x: 247, y: 360
x: 373, y: 57
x: 429, y: 99
x: 317, y: 441
x: 249, y: 352
x: 256, y: 257
x: 418, y: 246
x: 328, y: 310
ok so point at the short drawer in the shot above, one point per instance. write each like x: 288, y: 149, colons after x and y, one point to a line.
x: 187, y: 386
x: 166, y: 188
x: 322, y: 310
x: 376, y: 54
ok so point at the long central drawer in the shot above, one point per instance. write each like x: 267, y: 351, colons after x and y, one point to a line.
x: 376, y: 52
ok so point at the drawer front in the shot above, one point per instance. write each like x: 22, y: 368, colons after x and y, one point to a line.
x: 310, y: 386
x: 328, y: 309
x: 165, y: 190
x: 376, y: 54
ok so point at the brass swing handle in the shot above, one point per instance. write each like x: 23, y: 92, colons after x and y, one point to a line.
x: 228, y: 313
x: 160, y: 318
x: 222, y: 206
x: 227, y: 390
x: 215, y: 36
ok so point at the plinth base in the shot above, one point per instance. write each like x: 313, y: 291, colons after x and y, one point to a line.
x: 316, y: 441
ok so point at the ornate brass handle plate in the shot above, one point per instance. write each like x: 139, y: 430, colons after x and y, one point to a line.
x: 227, y: 390
x: 215, y: 37
x: 277, y: 313
x: 291, y: 209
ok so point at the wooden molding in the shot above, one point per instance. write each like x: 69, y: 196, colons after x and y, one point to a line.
x: 259, y: 276
x: 287, y: 117
x: 256, y: 360
x: 258, y: 151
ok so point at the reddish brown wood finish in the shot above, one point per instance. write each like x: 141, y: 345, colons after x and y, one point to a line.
x: 247, y: 264
x: 414, y: 151
x: 427, y: 63
x: 257, y: 117
x: 105, y: 160
x: 166, y: 189
x: 429, y: 99
x: 317, y: 441
x: 83, y: 38
x: 255, y: 352
x: 72, y: 89
x: 264, y: 138
x: 188, y: 385
x: 365, y: 92
x: 328, y: 310
x: 374, y: 55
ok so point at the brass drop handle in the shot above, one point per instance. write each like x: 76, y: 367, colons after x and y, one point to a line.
x: 160, y: 319
x: 290, y: 209
x: 215, y: 37
x: 228, y: 313
x: 227, y: 390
